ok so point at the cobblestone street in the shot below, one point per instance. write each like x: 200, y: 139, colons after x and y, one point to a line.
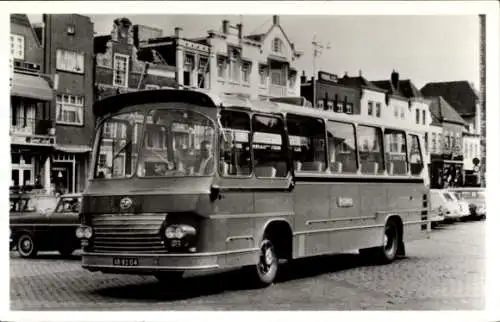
x: 445, y: 272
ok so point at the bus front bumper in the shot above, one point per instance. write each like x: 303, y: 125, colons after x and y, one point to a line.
x: 153, y: 263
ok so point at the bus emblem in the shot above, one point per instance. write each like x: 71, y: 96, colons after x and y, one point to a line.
x: 125, y: 203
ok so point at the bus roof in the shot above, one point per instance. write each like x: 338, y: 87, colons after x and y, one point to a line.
x: 206, y: 98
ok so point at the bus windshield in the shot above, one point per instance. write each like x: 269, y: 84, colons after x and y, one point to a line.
x: 175, y: 142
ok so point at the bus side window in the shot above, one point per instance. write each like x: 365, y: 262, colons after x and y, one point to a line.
x: 395, y: 152
x: 371, y: 158
x: 235, y: 144
x: 341, y: 147
x: 269, y: 148
x: 307, y: 143
x: 416, y: 162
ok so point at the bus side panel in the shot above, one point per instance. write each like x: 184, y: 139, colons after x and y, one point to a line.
x: 347, y: 216
x: 311, y: 202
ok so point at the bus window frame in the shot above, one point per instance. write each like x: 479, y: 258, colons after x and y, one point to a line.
x: 284, y: 142
x: 356, y: 155
x: 422, y: 172
x: 325, y: 138
x: 145, y: 109
x: 250, y: 137
x: 381, y: 148
x: 407, y: 156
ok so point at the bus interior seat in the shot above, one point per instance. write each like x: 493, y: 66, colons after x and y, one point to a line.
x: 265, y: 171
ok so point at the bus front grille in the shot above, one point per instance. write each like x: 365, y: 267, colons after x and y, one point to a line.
x: 128, y: 233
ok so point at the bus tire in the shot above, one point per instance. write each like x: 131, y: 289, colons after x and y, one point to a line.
x: 26, y: 246
x: 169, y: 277
x: 386, y: 253
x: 267, y: 267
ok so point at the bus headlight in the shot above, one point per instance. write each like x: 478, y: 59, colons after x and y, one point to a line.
x: 84, y: 232
x: 179, y: 231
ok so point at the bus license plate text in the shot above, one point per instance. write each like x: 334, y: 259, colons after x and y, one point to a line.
x: 125, y: 261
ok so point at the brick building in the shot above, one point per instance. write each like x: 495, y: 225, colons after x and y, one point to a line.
x: 331, y: 95
x: 121, y: 67
x: 32, y: 131
x: 68, y: 42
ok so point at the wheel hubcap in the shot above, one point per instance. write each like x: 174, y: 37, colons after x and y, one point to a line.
x: 26, y: 245
x: 266, y: 259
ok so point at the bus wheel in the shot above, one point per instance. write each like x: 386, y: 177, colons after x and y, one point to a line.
x: 389, y: 250
x: 26, y: 246
x: 169, y: 277
x: 267, y: 267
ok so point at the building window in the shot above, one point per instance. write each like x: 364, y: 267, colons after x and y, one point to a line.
x: 377, y: 110
x: 102, y: 161
x: 396, y: 113
x: 120, y: 70
x: 417, y: 116
x: 22, y: 170
x: 349, y: 108
x: 17, y: 46
x: 70, y: 61
x: 263, y: 75
x: 234, y: 65
x: 370, y: 108
x: 70, y: 29
x: 293, y: 80
x: 433, y: 142
x: 402, y: 113
x: 423, y: 117
x: 246, y: 68
x: 277, y: 46
x: 221, y: 67
x: 69, y: 109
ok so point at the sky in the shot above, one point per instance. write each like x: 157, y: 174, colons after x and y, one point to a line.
x: 423, y: 48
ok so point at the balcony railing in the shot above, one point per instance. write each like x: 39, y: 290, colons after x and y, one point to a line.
x: 30, y: 126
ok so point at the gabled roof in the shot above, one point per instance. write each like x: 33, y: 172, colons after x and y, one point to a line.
x: 359, y: 81
x: 262, y: 36
x: 459, y: 94
x: 23, y: 20
x: 441, y: 112
x: 408, y: 89
x: 387, y: 85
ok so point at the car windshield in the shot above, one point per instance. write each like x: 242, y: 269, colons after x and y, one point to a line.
x: 117, y: 151
x: 177, y: 143
x: 68, y: 204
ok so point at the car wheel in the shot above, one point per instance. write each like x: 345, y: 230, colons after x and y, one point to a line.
x: 387, y: 253
x: 26, y: 246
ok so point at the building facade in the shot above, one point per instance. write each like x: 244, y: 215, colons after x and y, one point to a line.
x: 407, y: 107
x: 32, y: 129
x: 227, y: 61
x: 67, y: 52
x: 330, y: 94
x: 371, y: 98
x: 465, y: 100
x: 448, y: 161
x: 120, y: 67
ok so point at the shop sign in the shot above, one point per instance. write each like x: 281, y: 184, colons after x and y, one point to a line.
x: 328, y: 77
x: 33, y: 140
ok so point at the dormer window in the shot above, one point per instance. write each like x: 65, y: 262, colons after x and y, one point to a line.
x: 70, y: 29
x: 277, y: 45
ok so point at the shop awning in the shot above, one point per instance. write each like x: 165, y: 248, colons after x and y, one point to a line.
x: 73, y: 148
x: 31, y: 86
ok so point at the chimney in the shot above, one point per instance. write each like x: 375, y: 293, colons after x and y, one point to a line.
x: 360, y: 73
x: 276, y: 20
x: 225, y: 26
x: 346, y: 75
x: 303, y: 78
x: 177, y: 31
x: 395, y: 79
x: 240, y: 30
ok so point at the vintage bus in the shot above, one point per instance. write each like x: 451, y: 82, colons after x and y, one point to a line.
x: 185, y: 180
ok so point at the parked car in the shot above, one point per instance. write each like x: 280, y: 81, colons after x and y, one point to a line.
x: 42, y: 224
x: 447, y: 206
x: 476, y: 198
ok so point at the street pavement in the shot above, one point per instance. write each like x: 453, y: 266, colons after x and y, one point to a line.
x: 444, y: 272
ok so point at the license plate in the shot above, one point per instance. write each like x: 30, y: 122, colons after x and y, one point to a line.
x: 125, y: 261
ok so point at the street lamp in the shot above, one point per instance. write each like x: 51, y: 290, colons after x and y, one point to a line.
x: 317, y: 51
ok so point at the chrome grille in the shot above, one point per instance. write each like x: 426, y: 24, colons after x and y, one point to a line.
x: 128, y: 233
